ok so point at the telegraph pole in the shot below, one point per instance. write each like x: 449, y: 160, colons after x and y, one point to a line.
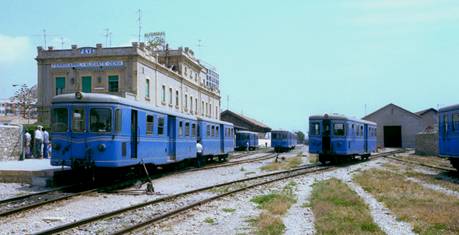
x: 139, y: 20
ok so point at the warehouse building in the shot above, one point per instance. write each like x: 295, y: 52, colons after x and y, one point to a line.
x: 397, y: 127
x: 242, y: 122
x: 173, y: 80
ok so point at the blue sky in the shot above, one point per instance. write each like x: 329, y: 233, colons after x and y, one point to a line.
x: 279, y: 61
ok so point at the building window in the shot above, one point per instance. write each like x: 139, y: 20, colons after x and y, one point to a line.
x: 86, y: 83
x: 150, y: 122
x: 170, y: 96
x: 207, y: 109
x: 147, y: 88
x: 163, y: 94
x: 216, y: 111
x: 191, y: 104
x: 186, y: 102
x: 113, y: 83
x: 60, y: 85
x: 196, y: 105
x: 176, y: 99
x: 160, y: 126
x: 202, y: 108
x: 210, y: 110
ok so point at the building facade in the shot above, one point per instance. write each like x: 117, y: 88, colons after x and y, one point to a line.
x: 397, y: 127
x: 169, y: 79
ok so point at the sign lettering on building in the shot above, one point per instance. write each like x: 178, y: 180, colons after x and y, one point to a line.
x: 91, y: 64
x: 87, y: 50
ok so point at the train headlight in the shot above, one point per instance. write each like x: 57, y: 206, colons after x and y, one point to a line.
x: 101, y: 147
x: 78, y: 95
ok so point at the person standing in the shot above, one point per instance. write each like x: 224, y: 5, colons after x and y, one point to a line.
x: 38, y: 142
x: 27, y: 141
x: 199, y: 154
x: 45, y: 143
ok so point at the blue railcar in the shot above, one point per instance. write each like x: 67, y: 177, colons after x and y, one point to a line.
x: 217, y: 137
x: 448, y: 143
x: 336, y: 137
x: 246, y: 140
x: 99, y: 130
x: 283, y: 141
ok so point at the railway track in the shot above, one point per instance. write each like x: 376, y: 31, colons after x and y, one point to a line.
x: 250, y: 153
x: 138, y: 216
x: 421, y: 164
x: 26, y: 202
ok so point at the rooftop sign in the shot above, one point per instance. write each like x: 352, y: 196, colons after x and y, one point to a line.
x: 112, y: 63
x: 87, y: 50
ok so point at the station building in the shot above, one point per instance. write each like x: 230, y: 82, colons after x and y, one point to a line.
x: 244, y: 123
x: 397, y: 127
x: 170, y: 79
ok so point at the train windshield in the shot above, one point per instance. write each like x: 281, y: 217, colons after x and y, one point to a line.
x: 338, y: 129
x: 100, y: 120
x: 78, y: 120
x: 59, y: 120
x: 314, y: 129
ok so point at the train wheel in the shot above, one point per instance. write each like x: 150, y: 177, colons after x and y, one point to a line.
x: 454, y: 162
x: 322, y: 159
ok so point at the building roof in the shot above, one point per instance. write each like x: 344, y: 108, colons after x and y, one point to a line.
x: 395, y: 106
x: 422, y: 112
x: 244, y: 122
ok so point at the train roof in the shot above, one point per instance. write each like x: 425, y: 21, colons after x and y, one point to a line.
x: 449, y: 108
x: 282, y: 131
x: 339, y: 117
x: 215, y: 121
x: 112, y: 99
x: 245, y: 132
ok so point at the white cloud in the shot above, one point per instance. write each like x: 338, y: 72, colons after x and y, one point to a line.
x: 13, y: 49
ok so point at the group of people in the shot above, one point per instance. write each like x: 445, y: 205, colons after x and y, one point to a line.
x: 40, y: 147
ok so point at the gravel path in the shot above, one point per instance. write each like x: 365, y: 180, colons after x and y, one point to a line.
x: 435, y: 187
x: 9, y: 190
x: 300, y: 220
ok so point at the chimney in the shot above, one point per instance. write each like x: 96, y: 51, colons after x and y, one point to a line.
x: 74, y: 46
x: 39, y: 48
x: 134, y: 44
x: 99, y: 45
x: 142, y: 45
x: 50, y: 48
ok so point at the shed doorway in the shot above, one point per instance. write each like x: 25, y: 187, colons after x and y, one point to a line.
x: 393, y: 136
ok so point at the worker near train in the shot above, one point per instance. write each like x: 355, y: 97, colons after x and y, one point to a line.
x: 199, y: 153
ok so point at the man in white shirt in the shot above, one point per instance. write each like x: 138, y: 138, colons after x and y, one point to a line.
x: 38, y: 142
x: 27, y: 140
x: 199, y: 160
x: 45, y: 143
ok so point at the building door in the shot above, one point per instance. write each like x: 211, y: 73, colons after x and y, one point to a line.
x: 392, y: 136
x: 86, y: 84
x: 326, y: 145
x: 134, y: 133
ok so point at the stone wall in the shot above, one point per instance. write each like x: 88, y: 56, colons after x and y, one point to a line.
x: 10, y: 142
x: 427, y: 143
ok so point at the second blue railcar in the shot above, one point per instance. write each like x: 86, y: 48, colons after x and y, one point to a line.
x: 283, y: 141
x: 337, y: 137
x: 246, y: 140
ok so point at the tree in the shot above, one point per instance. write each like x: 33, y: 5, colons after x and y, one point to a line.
x: 300, y: 136
x: 24, y: 98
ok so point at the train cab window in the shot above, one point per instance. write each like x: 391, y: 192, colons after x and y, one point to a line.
x: 187, y: 129
x: 193, y: 130
x: 59, y: 120
x: 338, y: 129
x: 315, y: 128
x: 217, y: 133
x: 455, y: 124
x: 208, y: 130
x: 213, y: 131
x: 118, y: 120
x: 361, y: 130
x: 150, y: 122
x: 160, y: 126
x: 180, y: 129
x: 100, y: 120
x: 78, y: 120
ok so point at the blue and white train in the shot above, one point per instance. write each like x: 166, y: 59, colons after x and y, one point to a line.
x: 336, y: 137
x: 448, y: 143
x: 283, y: 141
x: 100, y: 130
x: 246, y: 140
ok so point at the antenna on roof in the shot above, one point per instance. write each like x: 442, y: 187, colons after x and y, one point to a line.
x: 139, y: 20
x: 108, y: 37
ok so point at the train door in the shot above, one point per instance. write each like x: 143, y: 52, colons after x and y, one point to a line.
x: 326, y: 143
x: 134, y: 133
x: 173, y: 137
x: 222, y: 138
x: 444, y: 145
x: 365, y: 136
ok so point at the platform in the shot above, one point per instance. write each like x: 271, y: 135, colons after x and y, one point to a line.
x: 30, y: 171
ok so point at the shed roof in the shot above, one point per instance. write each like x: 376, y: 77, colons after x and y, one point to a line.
x: 422, y: 112
x: 257, y: 125
x: 395, y: 106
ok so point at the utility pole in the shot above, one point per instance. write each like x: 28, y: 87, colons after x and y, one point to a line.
x: 62, y: 42
x: 108, y: 37
x: 44, y: 36
x: 227, y: 102
x: 139, y: 20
